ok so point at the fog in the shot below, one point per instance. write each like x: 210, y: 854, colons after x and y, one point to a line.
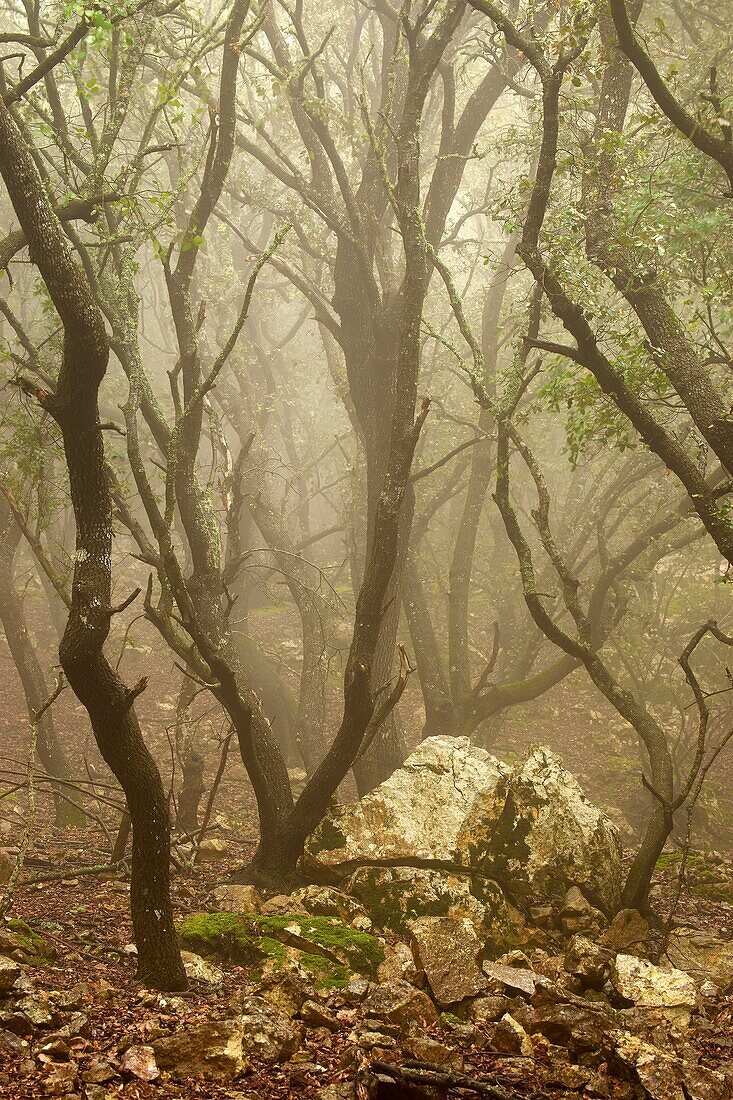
x: 365, y: 421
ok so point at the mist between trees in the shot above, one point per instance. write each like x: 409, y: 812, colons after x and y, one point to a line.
x: 367, y: 378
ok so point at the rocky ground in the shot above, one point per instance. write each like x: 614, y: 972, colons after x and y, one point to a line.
x: 456, y: 944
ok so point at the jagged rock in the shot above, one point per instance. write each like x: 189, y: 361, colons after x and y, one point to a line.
x: 704, y: 956
x: 578, y: 915
x: 233, y: 898
x: 98, y: 1070
x: 401, y: 1004
x: 671, y: 993
x: 9, y: 973
x: 7, y: 863
x: 399, y: 963
x: 447, y: 949
x: 664, y: 1076
x: 287, y: 987
x: 327, y: 901
x: 516, y: 978
x: 313, y: 1014
x: 453, y: 803
x: 283, y: 905
x: 550, y: 834
x: 488, y: 1009
x: 509, y: 1037
x: 212, y: 1050
x: 199, y: 970
x: 441, y: 801
x: 588, y: 961
x: 19, y: 942
x: 431, y: 1052
x: 572, y: 1026
x: 61, y: 1079
x: 267, y: 1033
x: 139, y: 1062
x: 627, y: 933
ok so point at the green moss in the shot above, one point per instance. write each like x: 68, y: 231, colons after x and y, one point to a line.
x: 358, y: 950
x: 33, y: 946
x: 251, y: 941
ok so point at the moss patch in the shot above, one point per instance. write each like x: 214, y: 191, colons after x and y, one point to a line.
x: 16, y: 935
x: 257, y: 940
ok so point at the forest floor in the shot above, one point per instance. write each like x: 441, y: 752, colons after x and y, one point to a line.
x: 86, y: 917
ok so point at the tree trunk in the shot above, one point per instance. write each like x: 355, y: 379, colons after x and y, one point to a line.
x: 67, y: 809
x: 74, y: 406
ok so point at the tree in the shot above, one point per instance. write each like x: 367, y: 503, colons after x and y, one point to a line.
x: 110, y: 703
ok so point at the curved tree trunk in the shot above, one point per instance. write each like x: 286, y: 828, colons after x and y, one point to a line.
x: 74, y: 406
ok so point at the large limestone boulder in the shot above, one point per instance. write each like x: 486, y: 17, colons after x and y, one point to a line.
x: 440, y: 805
x: 455, y: 805
x: 550, y: 835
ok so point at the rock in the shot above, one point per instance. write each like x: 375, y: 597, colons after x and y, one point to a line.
x: 577, y: 914
x: 212, y: 848
x: 236, y: 899
x: 443, y: 799
x: 397, y: 896
x: 447, y: 949
x: 453, y: 803
x: 432, y: 1053
x: 514, y: 978
x: 671, y: 993
x: 572, y: 1026
x: 627, y: 933
x: 282, y: 905
x: 139, y: 1062
x: 7, y: 865
x: 268, y: 1034
x: 98, y: 1070
x: 198, y: 970
x: 327, y: 901
x: 9, y: 973
x: 313, y: 1014
x: 704, y: 956
x: 19, y: 942
x: 588, y: 961
x: 287, y: 988
x: 509, y: 1037
x: 664, y: 1076
x: 399, y: 963
x: 61, y: 1080
x: 401, y: 1004
x: 550, y: 834
x: 212, y: 1050
x: 488, y: 1009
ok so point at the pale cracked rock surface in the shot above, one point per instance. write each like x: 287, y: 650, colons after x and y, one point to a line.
x: 670, y: 993
x: 440, y: 805
x: 452, y: 803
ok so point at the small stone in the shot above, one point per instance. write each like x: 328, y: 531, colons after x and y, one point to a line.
x: 7, y: 865
x: 313, y: 1014
x: 509, y: 1037
x: 268, y: 1034
x: 212, y: 1050
x: 139, y: 1062
x: 282, y: 905
x: 199, y: 970
x: 98, y: 1070
x: 627, y: 933
x: 61, y: 1080
x: 488, y: 1009
x: 212, y: 848
x: 401, y: 1004
x: 10, y: 971
x: 398, y: 963
x: 234, y: 898
x: 588, y: 961
x: 433, y: 1053
x: 704, y: 956
x: 515, y: 978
